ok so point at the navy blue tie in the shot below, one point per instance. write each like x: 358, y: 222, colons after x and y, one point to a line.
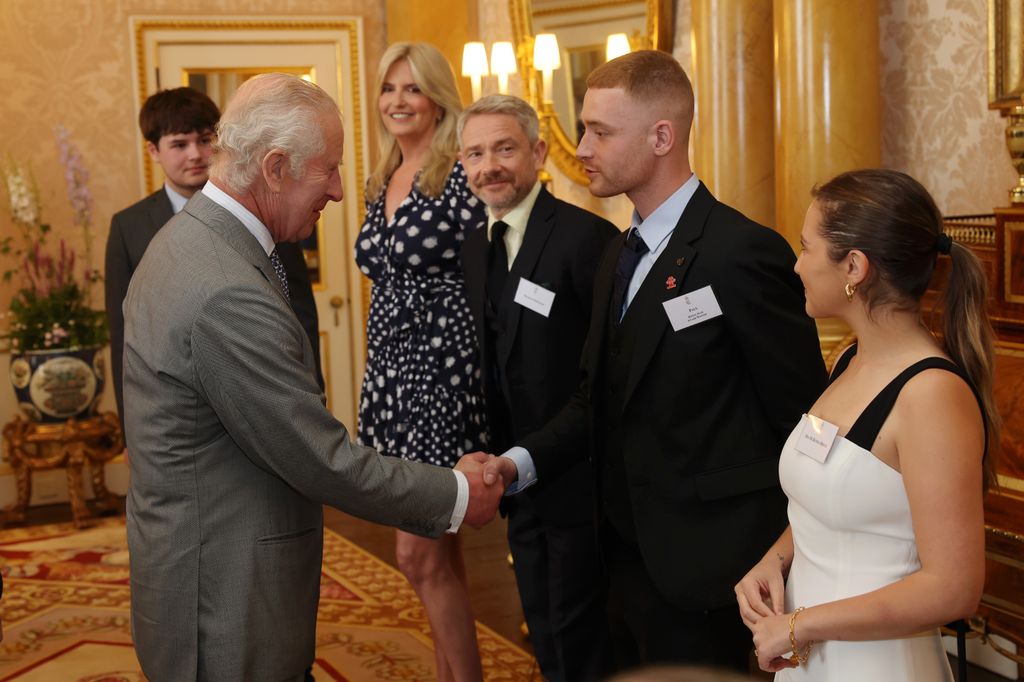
x: 632, y: 251
x: 275, y: 260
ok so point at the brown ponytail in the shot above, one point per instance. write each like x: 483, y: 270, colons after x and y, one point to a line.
x: 892, y: 219
x: 968, y: 339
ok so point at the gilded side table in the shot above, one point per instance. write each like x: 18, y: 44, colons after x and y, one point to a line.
x: 75, y: 444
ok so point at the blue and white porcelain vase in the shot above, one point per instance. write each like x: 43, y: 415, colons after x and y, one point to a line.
x: 55, y: 385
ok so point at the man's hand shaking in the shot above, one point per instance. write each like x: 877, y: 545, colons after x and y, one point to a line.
x: 486, y: 486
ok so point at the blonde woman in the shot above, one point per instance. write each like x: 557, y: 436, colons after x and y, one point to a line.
x: 885, y: 473
x: 422, y: 392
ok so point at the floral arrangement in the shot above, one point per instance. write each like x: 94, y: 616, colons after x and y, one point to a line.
x: 51, y: 310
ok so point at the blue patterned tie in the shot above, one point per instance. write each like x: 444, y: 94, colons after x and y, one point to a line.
x: 632, y: 251
x: 275, y: 260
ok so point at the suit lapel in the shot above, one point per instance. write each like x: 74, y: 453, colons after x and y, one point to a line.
x: 538, y: 229
x: 604, y: 279
x: 160, y: 209
x: 232, y: 231
x: 646, y: 311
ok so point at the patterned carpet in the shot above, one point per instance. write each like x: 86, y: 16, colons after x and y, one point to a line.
x: 65, y: 613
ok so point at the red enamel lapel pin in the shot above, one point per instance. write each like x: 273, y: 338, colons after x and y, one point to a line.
x: 670, y: 283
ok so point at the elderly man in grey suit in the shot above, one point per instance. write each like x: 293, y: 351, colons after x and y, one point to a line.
x: 233, y: 450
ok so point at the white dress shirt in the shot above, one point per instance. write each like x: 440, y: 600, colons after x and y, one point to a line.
x: 516, y: 219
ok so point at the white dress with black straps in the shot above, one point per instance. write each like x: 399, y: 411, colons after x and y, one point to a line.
x: 853, y: 534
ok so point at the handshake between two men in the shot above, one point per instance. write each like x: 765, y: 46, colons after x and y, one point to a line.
x: 488, y: 477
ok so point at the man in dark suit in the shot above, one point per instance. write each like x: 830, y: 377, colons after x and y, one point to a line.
x: 530, y: 279
x: 178, y: 126
x: 697, y: 365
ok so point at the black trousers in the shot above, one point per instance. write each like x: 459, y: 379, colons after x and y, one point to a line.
x: 563, y: 594
x: 647, y: 629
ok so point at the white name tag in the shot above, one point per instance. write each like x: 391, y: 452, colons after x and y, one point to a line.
x: 693, y: 308
x: 816, y: 437
x: 534, y: 297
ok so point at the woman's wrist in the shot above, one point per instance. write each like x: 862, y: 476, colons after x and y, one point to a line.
x: 777, y: 559
x: 800, y: 645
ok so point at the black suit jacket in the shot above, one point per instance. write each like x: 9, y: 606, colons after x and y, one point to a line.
x: 538, y: 357
x: 704, y: 411
x: 132, y: 229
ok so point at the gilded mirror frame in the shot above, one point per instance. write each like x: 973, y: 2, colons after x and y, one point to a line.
x: 561, y: 149
x: 1005, y: 54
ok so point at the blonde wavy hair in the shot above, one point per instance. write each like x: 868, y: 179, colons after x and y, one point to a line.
x: 434, y: 76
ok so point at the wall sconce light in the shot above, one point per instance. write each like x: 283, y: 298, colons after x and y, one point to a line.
x: 503, y: 63
x: 474, y: 65
x: 546, y: 58
x: 618, y: 45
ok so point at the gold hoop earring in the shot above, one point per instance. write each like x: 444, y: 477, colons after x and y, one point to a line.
x: 850, y: 289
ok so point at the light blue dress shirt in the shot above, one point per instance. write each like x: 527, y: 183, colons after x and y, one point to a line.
x: 177, y: 200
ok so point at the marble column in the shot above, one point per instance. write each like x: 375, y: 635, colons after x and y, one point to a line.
x: 733, y: 145
x: 827, y: 99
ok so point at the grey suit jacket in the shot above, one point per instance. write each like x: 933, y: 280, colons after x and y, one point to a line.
x: 232, y: 455
x: 131, y: 230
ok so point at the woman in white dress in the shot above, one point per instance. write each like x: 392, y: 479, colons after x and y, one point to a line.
x: 885, y: 474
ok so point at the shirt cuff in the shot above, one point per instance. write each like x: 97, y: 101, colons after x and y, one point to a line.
x: 527, y: 471
x: 461, y: 501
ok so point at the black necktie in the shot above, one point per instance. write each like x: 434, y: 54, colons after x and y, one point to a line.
x: 632, y: 252
x: 275, y: 260
x: 497, y: 264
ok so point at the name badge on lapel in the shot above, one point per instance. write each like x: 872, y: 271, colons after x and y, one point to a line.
x: 534, y: 297
x: 815, y: 438
x: 693, y: 308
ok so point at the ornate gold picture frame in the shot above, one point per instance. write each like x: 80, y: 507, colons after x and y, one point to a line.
x: 1005, y: 53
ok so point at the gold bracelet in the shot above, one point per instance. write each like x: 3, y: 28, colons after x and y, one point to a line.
x: 798, y: 657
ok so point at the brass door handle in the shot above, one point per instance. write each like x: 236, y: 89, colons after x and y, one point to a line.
x: 336, y: 303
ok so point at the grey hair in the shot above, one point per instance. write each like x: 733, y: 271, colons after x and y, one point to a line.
x: 508, y: 105
x: 270, y: 111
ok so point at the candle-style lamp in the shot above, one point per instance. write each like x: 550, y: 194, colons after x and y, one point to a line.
x: 546, y: 58
x: 617, y: 45
x: 503, y: 63
x: 474, y: 65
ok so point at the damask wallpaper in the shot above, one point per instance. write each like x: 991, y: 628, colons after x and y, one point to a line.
x: 935, y: 119
x: 69, y: 62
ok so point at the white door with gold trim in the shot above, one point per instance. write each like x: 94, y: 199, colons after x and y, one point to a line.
x: 217, y: 58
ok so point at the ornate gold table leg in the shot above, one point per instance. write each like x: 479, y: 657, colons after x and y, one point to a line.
x: 79, y: 509
x: 72, y: 444
x: 13, y: 443
x: 103, y: 499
